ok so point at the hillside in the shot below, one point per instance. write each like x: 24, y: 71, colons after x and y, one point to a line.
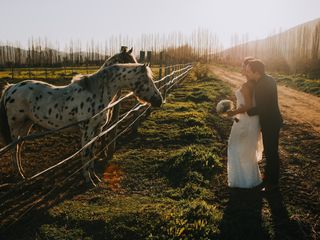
x: 290, y: 50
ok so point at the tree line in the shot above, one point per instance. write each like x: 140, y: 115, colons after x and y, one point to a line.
x: 296, y: 50
x: 178, y: 48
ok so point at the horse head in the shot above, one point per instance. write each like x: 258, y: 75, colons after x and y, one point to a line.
x: 124, y: 56
x: 144, y: 88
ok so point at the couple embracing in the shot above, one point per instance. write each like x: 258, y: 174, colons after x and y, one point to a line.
x: 257, y: 130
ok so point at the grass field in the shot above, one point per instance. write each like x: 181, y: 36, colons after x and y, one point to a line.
x: 159, y: 186
x: 52, y: 75
x: 169, y: 182
x: 299, y: 82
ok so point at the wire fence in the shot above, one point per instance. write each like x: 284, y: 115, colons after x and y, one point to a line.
x: 17, y: 202
x: 174, y: 74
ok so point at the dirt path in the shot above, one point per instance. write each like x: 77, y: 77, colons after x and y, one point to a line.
x: 294, y: 105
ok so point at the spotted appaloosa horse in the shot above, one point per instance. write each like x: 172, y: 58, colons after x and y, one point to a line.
x: 52, y: 107
x: 123, y: 57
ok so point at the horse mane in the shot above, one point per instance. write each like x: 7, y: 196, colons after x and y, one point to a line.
x: 79, y: 77
x: 5, y: 87
x: 5, y: 134
x: 84, y: 81
x: 149, y: 72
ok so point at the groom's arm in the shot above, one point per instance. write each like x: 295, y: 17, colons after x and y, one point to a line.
x: 253, y: 111
x: 265, y: 100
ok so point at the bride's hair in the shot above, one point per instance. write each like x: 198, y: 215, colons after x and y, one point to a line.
x: 257, y: 65
x: 246, y: 60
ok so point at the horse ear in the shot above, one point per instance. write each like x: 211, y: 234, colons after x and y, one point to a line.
x: 144, y: 67
x: 130, y: 51
x: 123, y: 48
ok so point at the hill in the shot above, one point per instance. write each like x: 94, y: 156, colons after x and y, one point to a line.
x: 294, y: 50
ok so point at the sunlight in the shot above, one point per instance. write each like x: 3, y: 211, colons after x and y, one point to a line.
x: 113, y: 176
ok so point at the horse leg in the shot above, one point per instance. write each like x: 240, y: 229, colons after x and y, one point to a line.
x: 14, y: 159
x: 16, y: 153
x: 95, y: 148
x: 91, y: 168
x: 85, y: 163
x: 112, y: 116
x: 25, y: 130
x: 87, y: 155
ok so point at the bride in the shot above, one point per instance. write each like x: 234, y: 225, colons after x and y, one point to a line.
x: 244, y: 146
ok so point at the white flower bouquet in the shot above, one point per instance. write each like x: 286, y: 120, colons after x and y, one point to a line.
x: 224, y: 106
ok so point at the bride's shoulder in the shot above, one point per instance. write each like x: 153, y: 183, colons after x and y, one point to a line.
x: 246, y: 87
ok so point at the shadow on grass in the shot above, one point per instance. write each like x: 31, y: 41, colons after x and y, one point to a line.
x: 242, y: 216
x: 25, y: 207
x: 283, y: 226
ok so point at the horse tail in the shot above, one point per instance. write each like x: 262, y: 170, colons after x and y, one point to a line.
x: 5, y: 134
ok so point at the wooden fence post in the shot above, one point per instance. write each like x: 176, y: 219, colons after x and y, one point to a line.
x: 46, y: 73
x: 149, y: 57
x: 165, y: 81
x: 10, y: 64
x: 136, y: 113
x: 142, y: 56
x: 172, y: 70
x: 160, y: 68
x: 12, y: 72
x: 29, y: 71
x: 115, y: 118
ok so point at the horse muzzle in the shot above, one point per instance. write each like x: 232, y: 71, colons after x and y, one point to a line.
x: 156, y: 101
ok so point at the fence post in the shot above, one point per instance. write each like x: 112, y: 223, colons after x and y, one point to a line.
x: 135, y: 124
x: 160, y: 69
x: 160, y: 65
x: 136, y: 113
x: 46, y: 73
x: 142, y: 56
x: 165, y: 81
x: 115, y: 118
x: 174, y: 67
x: 10, y: 64
x: 149, y: 57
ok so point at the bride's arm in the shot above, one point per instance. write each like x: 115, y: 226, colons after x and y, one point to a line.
x: 245, y: 90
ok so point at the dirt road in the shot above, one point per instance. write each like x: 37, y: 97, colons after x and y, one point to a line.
x: 294, y: 105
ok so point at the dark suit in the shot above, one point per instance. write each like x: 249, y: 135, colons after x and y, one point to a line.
x: 266, y: 98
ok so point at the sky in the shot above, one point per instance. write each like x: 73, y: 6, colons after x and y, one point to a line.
x: 83, y: 20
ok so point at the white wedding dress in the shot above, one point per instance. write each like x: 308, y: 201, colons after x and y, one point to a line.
x: 244, y: 150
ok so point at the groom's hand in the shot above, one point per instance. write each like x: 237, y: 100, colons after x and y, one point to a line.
x: 230, y: 113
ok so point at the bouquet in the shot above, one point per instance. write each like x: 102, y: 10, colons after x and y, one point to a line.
x: 224, y: 106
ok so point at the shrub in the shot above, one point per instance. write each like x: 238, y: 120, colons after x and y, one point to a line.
x: 190, y: 161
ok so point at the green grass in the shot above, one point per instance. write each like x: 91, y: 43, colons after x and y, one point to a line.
x: 300, y: 82
x: 57, y: 76
x: 165, y: 176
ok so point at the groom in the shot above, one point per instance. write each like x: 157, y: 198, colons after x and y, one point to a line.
x: 267, y: 108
